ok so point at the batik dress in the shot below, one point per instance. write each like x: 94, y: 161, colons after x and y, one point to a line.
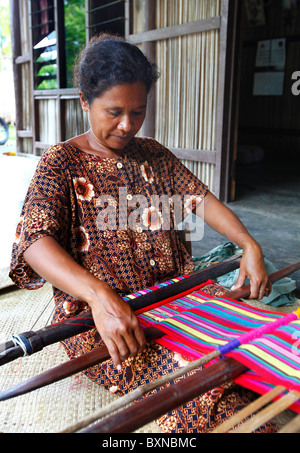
x: 120, y: 220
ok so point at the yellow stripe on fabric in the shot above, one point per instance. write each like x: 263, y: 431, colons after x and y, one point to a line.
x: 197, y: 299
x: 269, y: 359
x: 195, y: 333
x: 154, y: 317
x: 242, y: 311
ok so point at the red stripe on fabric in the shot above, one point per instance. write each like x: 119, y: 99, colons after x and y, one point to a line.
x: 170, y: 299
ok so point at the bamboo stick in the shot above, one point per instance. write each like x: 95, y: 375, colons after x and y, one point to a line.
x: 292, y: 427
x: 249, y: 410
x: 268, y: 413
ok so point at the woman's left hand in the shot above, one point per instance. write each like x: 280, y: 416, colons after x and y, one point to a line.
x: 252, y: 266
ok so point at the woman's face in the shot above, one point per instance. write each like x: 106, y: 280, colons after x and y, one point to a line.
x: 117, y: 115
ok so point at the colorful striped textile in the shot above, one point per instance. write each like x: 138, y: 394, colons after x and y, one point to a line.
x: 196, y: 324
x: 154, y: 288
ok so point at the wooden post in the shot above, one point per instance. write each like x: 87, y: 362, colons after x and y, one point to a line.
x: 149, y: 48
x: 16, y: 52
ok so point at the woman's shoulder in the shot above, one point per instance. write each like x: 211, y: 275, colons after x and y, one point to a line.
x: 57, y: 155
x: 54, y: 152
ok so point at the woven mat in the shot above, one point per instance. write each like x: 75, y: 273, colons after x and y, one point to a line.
x: 55, y: 407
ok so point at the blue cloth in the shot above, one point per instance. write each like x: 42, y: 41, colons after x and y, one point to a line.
x: 282, y: 291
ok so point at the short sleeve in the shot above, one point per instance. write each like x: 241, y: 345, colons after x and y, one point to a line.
x: 46, y: 212
x: 175, y: 177
x: 185, y: 182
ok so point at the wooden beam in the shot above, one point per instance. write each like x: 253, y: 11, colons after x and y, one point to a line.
x: 174, y: 31
x: 25, y: 134
x: 23, y: 59
x: 196, y: 155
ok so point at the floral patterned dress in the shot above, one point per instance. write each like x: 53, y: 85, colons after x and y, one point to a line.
x: 118, y: 218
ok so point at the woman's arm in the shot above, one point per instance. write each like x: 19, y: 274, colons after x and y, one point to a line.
x: 114, y: 319
x: 225, y: 222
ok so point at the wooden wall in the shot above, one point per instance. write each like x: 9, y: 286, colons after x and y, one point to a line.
x: 272, y: 122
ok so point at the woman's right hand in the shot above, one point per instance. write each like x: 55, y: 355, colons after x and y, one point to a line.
x: 113, y: 317
x: 117, y: 325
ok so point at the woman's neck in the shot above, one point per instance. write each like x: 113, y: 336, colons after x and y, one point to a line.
x: 89, y: 144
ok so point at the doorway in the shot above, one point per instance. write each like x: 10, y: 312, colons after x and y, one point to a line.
x: 268, y: 150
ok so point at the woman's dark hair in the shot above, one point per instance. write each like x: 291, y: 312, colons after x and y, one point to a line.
x: 108, y: 61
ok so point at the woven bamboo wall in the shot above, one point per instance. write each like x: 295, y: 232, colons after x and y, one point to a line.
x: 186, y: 94
x: 76, y: 122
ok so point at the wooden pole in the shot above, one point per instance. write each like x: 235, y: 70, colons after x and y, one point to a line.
x: 149, y: 49
x: 17, y: 72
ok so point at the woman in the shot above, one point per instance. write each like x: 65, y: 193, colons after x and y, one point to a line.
x: 88, y: 223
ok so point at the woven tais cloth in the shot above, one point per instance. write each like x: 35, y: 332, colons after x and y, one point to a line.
x: 201, y: 415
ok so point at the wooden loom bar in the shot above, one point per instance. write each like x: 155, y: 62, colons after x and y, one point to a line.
x: 69, y: 368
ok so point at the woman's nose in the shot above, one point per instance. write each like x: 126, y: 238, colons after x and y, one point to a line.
x: 125, y: 124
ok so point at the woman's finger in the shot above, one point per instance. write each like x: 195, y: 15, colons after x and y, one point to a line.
x: 114, y: 353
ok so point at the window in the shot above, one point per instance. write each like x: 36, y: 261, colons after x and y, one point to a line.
x: 107, y: 16
x: 59, y: 32
x: 44, y: 44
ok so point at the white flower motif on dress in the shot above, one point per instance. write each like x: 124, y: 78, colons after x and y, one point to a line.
x: 114, y: 389
x: 181, y: 361
x: 191, y: 202
x: 152, y: 218
x: 84, y: 190
x: 82, y: 240
x: 147, y: 172
x: 67, y: 306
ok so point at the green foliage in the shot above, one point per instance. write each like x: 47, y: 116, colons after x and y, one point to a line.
x: 74, y: 33
x: 5, y: 43
x: 48, y: 70
x: 47, y: 85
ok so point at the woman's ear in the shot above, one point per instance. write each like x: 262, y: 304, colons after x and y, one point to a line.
x: 83, y: 101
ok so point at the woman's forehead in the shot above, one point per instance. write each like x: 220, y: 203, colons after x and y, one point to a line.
x: 134, y: 94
